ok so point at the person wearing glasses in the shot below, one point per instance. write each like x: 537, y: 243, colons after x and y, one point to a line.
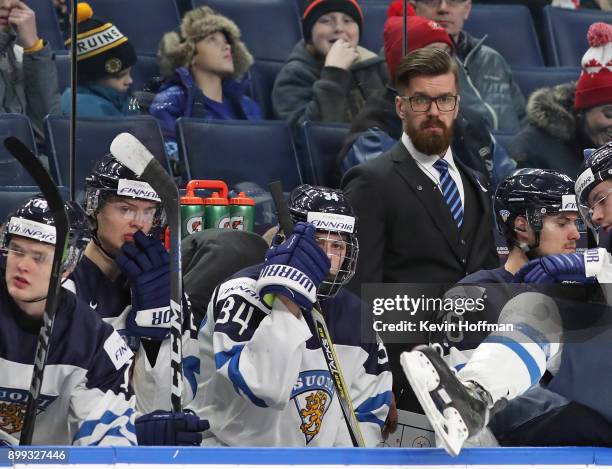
x: 124, y: 276
x: 377, y: 127
x: 425, y: 215
x: 488, y: 71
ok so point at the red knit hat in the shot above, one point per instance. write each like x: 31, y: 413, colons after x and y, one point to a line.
x: 421, y: 32
x: 594, y: 87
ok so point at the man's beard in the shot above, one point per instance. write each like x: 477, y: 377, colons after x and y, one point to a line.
x: 428, y: 143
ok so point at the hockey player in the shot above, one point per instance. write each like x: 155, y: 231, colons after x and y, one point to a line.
x: 85, y: 397
x: 264, y: 378
x: 535, y: 211
x: 125, y: 276
x: 507, y: 365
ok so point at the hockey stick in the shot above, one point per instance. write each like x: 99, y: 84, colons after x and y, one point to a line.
x: 73, y: 100
x: 327, y: 346
x: 133, y: 154
x: 47, y: 186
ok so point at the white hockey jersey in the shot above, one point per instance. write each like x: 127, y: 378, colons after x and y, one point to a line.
x: 85, y: 396
x: 111, y: 300
x: 264, y: 378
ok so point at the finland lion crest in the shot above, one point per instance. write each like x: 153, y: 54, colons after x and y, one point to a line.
x: 312, y: 394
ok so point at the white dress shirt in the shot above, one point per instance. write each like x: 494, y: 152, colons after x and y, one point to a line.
x: 425, y: 164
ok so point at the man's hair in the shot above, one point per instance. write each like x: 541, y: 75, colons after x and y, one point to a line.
x: 427, y: 62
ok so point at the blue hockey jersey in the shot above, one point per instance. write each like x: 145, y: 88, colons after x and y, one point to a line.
x: 85, y: 396
x: 112, y: 301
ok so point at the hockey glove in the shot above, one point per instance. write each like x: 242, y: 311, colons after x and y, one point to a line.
x: 163, y: 428
x: 295, y: 268
x: 554, y: 269
x: 145, y: 263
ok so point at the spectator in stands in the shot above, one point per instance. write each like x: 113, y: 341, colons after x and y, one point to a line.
x: 28, y: 77
x: 203, y: 66
x: 486, y: 68
x: 328, y: 76
x: 104, y: 59
x: 378, y: 127
x: 566, y: 119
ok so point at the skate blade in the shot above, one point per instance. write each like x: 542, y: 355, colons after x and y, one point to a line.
x: 423, y: 377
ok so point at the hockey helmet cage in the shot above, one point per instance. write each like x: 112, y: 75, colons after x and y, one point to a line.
x: 330, y: 212
x: 110, y: 178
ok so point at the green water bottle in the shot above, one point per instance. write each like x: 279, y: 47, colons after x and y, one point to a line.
x: 216, y: 211
x: 192, y: 209
x: 242, y: 212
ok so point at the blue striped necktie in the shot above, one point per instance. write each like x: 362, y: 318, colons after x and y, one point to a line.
x: 450, y: 191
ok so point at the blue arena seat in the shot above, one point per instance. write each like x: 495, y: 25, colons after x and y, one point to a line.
x: 239, y: 151
x: 323, y: 142
x: 530, y: 79
x: 263, y: 73
x: 11, y: 171
x: 565, y: 33
x: 270, y: 28
x: 144, y: 22
x: 374, y: 17
x: 145, y: 69
x: 11, y: 197
x: 509, y: 30
x: 47, y: 24
x: 94, y: 137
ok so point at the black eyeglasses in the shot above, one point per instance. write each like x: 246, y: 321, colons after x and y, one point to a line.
x: 437, y: 3
x: 422, y: 103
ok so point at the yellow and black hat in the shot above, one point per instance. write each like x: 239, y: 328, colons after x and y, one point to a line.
x: 102, y: 49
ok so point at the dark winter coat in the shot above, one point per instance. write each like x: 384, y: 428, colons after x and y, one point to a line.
x: 28, y: 82
x: 180, y: 97
x: 305, y: 90
x: 552, y: 139
x: 489, y: 72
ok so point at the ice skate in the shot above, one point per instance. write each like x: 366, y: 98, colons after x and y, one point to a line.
x: 455, y: 410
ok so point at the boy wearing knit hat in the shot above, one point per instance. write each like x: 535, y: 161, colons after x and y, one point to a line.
x: 204, y: 66
x: 104, y: 59
x: 566, y: 119
x: 28, y: 77
x: 328, y: 76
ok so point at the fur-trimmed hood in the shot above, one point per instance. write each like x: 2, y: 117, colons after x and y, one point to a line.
x: 177, y: 50
x: 552, y: 110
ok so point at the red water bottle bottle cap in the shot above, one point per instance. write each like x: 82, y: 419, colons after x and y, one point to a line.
x: 241, y: 199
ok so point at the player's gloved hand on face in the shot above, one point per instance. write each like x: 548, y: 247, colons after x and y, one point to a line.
x: 163, y: 428
x: 145, y: 263
x: 554, y: 269
x: 295, y: 268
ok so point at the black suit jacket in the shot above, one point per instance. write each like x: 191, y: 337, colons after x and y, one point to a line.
x: 405, y: 230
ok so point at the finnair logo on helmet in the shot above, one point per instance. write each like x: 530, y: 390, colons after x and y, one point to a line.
x: 331, y: 221
x: 584, y: 180
x: 568, y: 203
x: 32, y: 229
x: 136, y: 189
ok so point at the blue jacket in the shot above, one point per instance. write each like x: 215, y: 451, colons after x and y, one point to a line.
x: 99, y: 101
x: 180, y: 97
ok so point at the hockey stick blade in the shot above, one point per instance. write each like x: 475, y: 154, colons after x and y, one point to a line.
x: 48, y: 188
x: 133, y: 154
x: 327, y: 346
